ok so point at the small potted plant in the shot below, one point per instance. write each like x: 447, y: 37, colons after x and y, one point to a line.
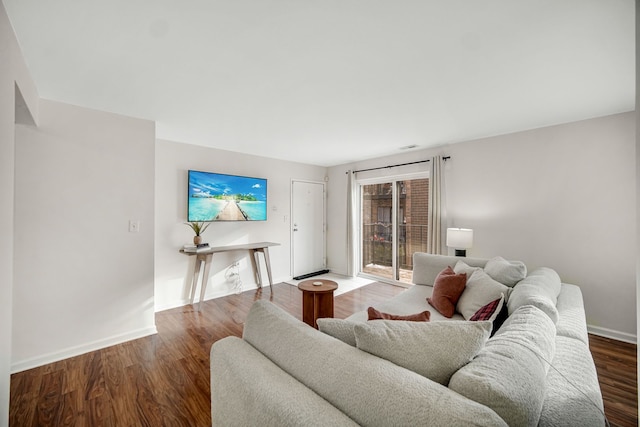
x: 198, y: 228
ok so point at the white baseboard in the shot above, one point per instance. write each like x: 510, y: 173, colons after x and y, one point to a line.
x: 614, y: 335
x: 213, y: 293
x: 172, y: 304
x: 34, y: 362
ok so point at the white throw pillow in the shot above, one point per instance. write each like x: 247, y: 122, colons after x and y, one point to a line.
x: 481, y: 290
x: 338, y: 328
x: 463, y: 267
x: 506, y: 272
x: 424, y: 347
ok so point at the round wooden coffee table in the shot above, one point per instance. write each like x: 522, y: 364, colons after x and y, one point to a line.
x: 317, y: 300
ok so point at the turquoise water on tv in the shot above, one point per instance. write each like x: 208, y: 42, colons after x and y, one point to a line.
x: 204, y: 209
x: 256, y: 211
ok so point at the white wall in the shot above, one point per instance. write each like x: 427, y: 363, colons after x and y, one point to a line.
x: 82, y: 280
x: 637, y: 183
x: 6, y: 215
x: 13, y: 71
x: 173, y: 269
x: 562, y: 196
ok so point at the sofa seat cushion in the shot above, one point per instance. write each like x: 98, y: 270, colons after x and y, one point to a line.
x: 573, y: 392
x: 481, y: 290
x: 509, y: 374
x: 434, y: 350
x: 540, y: 288
x: 370, y: 390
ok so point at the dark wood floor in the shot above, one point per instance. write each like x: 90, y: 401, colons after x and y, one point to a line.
x: 617, y: 374
x: 163, y: 380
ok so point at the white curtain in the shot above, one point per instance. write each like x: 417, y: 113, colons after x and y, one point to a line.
x: 437, y: 210
x: 352, y: 224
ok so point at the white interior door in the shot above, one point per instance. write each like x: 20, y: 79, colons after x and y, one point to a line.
x: 307, y: 220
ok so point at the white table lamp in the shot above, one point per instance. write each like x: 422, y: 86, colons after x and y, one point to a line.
x: 460, y: 239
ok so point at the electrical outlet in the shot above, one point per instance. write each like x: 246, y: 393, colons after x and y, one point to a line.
x: 134, y: 226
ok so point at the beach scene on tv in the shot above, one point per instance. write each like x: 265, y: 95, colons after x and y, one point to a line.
x: 219, y: 197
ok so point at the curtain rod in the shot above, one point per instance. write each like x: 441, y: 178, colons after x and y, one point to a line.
x: 401, y: 164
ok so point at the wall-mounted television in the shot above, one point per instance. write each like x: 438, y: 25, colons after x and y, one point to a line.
x: 220, y: 197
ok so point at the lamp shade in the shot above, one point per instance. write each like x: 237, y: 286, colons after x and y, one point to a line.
x: 459, y: 238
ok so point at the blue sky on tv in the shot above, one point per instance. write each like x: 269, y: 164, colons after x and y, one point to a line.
x: 215, y: 184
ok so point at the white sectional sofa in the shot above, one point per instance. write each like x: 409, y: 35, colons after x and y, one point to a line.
x: 536, y: 369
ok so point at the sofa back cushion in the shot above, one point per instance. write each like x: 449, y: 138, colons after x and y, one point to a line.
x: 540, y: 288
x: 370, y: 390
x: 509, y: 373
x: 426, y: 267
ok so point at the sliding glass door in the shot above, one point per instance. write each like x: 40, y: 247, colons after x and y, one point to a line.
x: 377, y: 229
x: 393, y: 220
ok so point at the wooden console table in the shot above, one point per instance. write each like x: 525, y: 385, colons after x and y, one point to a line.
x: 206, y: 257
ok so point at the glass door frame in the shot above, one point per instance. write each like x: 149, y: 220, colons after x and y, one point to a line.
x: 393, y: 180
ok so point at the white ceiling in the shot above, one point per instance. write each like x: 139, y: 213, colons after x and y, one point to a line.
x: 327, y: 82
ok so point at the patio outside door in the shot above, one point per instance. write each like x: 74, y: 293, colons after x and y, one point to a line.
x: 393, y: 226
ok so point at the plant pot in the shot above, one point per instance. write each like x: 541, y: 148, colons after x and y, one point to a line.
x: 197, y: 240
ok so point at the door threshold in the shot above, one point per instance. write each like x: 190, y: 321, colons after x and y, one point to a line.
x: 306, y: 276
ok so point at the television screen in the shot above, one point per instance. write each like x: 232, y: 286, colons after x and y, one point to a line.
x: 219, y: 197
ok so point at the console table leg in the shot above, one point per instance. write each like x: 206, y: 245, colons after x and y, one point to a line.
x: 267, y: 261
x: 194, y: 279
x: 255, y: 264
x: 205, y: 278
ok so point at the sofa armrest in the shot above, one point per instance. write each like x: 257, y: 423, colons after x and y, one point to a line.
x: 573, y: 392
x: 572, y: 322
x: 248, y: 389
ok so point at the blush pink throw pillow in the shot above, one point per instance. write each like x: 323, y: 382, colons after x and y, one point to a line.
x: 447, y: 289
x: 418, y: 317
